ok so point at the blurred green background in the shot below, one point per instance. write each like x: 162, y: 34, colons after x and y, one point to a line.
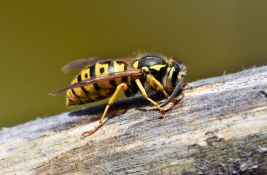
x: 38, y: 37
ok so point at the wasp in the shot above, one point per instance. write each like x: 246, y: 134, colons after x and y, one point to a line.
x: 101, y: 78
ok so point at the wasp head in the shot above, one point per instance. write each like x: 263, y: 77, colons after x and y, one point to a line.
x: 175, y: 75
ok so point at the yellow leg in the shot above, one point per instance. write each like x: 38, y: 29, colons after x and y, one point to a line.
x: 157, y: 85
x: 143, y: 92
x: 110, y: 102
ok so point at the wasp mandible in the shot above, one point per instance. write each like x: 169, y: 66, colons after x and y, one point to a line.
x: 101, y: 78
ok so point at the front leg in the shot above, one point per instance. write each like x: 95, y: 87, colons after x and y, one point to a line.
x: 155, y: 84
x: 143, y: 92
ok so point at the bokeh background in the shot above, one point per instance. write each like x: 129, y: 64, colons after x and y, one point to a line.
x: 38, y: 37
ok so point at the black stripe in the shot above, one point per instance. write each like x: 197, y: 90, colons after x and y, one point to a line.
x: 85, y: 91
x: 125, y: 79
x: 120, y: 62
x: 125, y: 66
x: 169, y: 72
x: 79, y: 78
x: 92, y: 75
x: 74, y: 93
x: 92, y: 71
x: 176, y: 70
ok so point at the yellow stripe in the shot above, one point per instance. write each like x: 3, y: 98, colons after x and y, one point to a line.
x: 70, y: 95
x: 118, y: 68
x: 135, y: 64
x: 85, y: 73
x: 78, y: 90
x: 102, y: 69
x: 89, y: 88
x: 157, y: 67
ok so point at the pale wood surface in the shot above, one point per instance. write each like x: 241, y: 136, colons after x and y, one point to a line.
x: 220, y: 126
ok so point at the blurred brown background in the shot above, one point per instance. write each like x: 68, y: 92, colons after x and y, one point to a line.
x: 38, y: 37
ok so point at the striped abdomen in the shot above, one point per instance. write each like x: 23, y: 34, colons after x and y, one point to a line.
x: 98, y: 91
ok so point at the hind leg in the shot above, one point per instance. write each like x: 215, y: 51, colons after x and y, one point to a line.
x: 110, y: 102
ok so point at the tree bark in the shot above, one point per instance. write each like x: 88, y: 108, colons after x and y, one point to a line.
x: 219, y: 127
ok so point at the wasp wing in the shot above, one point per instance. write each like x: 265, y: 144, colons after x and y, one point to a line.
x: 84, y: 62
x: 102, y: 78
x: 81, y: 63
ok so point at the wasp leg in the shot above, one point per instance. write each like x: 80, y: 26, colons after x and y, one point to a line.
x: 143, y: 92
x: 170, y: 103
x: 110, y: 102
x: 173, y: 102
x: 154, y: 83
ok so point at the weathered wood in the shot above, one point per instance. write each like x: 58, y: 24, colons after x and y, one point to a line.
x: 219, y: 127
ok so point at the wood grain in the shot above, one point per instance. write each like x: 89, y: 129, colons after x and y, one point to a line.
x: 219, y: 127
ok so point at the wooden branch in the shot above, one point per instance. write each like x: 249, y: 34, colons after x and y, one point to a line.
x: 219, y: 127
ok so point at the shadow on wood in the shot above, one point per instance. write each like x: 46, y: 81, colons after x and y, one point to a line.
x: 125, y: 103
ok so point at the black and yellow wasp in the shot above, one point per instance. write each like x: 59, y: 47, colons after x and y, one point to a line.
x: 101, y: 78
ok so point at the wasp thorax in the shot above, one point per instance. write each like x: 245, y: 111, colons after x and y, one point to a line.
x: 151, y: 62
x: 154, y: 65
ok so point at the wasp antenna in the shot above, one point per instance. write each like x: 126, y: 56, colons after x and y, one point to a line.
x: 175, y: 92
